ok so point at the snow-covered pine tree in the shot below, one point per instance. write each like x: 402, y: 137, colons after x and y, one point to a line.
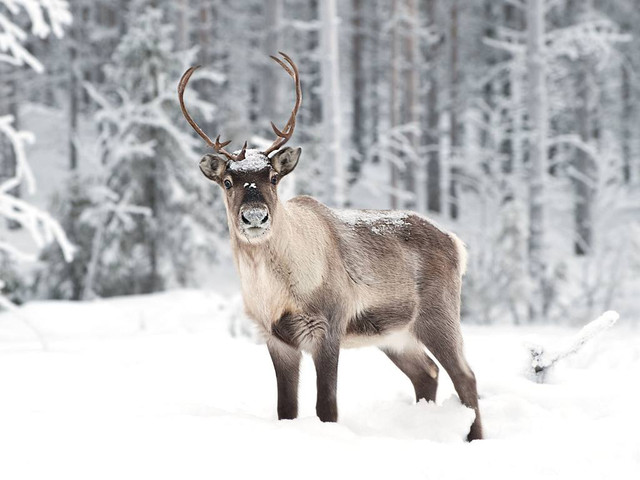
x: 149, y: 214
x: 45, y: 18
x: 58, y: 278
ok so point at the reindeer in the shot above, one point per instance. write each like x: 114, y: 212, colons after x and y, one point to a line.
x: 316, y: 279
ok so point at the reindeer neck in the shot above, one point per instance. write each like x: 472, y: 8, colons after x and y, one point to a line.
x: 290, y: 255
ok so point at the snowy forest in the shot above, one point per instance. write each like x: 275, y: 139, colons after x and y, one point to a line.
x: 513, y: 123
x: 125, y: 350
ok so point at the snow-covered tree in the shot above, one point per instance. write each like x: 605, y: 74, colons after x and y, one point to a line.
x: 551, y: 61
x: 45, y: 18
x: 147, y: 213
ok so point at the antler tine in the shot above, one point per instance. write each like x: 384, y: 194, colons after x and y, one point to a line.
x: 220, y: 145
x: 290, y: 62
x: 285, y: 134
x: 242, y: 153
x: 282, y: 64
x: 276, y: 130
x: 217, y: 145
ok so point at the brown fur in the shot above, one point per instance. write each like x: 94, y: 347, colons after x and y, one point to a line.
x: 316, y: 281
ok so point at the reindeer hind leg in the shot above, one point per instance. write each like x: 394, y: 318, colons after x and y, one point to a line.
x: 421, y: 370
x: 438, y: 328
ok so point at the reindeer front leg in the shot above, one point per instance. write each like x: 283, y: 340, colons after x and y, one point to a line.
x: 286, y: 362
x: 325, y: 357
x: 312, y: 333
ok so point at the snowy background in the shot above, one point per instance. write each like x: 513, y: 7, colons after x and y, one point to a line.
x: 124, y: 352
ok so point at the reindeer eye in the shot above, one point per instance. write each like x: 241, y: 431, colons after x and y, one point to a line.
x: 227, y: 184
x: 274, y: 179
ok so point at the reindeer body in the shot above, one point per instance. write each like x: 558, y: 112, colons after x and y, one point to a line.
x: 363, y: 278
x: 365, y: 272
x: 316, y: 279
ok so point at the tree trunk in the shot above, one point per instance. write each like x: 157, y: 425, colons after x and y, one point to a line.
x: 183, y: 25
x: 270, y: 81
x: 153, y: 197
x: 8, y: 160
x: 331, y: 101
x: 358, y: 89
x: 515, y: 19
x: 203, y: 32
x: 626, y: 123
x: 313, y: 92
x: 74, y: 72
x: 455, y: 145
x: 434, y: 200
x: 376, y: 76
x: 584, y: 167
x: 537, y: 108
x: 410, y: 83
x: 394, y: 100
x: 154, y: 284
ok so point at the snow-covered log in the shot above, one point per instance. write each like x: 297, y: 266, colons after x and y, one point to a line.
x: 542, y: 359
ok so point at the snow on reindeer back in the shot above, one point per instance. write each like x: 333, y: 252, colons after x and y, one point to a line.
x: 253, y: 161
x: 379, y: 222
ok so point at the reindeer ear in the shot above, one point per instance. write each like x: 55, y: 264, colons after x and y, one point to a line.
x: 286, y: 160
x: 213, y: 166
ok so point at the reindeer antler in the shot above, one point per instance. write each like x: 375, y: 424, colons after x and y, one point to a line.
x: 285, y: 134
x: 217, y: 145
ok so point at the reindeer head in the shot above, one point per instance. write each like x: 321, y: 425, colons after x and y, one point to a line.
x: 250, y: 177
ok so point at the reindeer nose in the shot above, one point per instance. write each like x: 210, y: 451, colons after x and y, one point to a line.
x: 254, y: 216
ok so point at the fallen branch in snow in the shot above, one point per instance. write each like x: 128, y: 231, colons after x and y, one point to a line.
x: 542, y: 361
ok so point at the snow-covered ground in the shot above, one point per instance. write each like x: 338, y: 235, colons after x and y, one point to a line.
x: 155, y: 387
